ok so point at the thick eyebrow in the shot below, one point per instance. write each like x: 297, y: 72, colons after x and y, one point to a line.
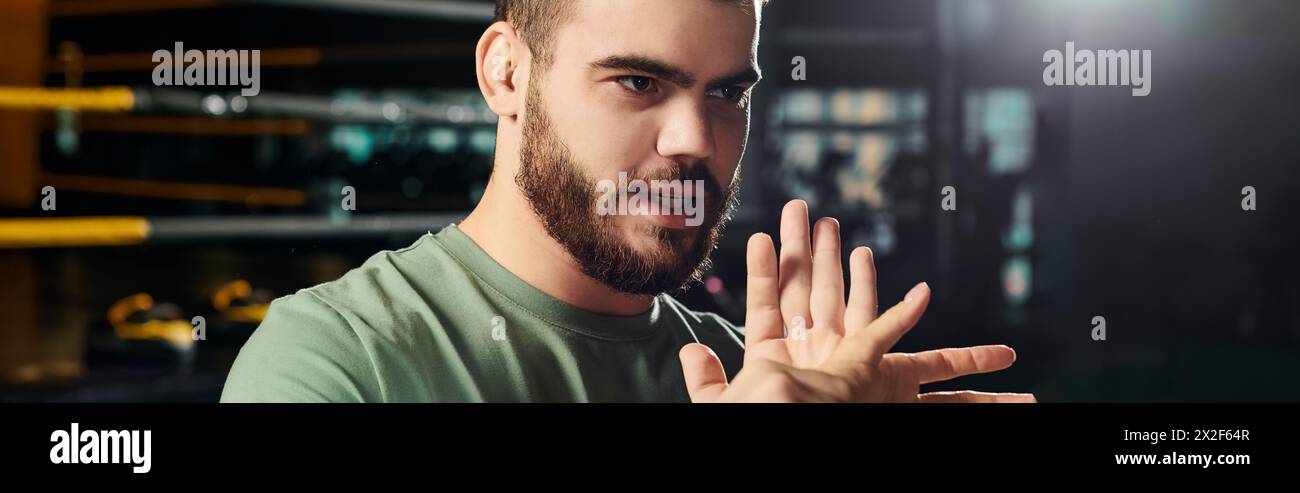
x: 667, y: 72
x: 646, y: 65
x: 748, y: 76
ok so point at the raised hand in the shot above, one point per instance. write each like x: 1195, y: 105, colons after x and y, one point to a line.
x: 805, y: 343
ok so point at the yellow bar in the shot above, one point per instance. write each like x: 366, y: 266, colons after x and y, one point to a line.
x: 112, y: 99
x: 72, y: 232
x: 281, y: 197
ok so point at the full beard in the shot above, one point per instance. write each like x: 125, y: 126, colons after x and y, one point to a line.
x: 564, y: 199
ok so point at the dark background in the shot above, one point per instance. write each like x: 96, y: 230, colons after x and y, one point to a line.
x: 1072, y: 202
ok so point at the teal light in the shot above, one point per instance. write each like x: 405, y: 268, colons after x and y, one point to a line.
x: 443, y: 140
x: 483, y: 141
x: 355, y: 141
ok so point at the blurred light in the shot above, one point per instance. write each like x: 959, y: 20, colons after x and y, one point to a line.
x: 457, y: 113
x: 802, y: 150
x: 861, y: 182
x: 483, y: 141
x: 66, y: 136
x: 713, y: 285
x: 1004, y: 120
x: 844, y: 104
x: 238, y: 104
x: 443, y: 140
x: 859, y: 132
x: 214, y: 105
x: 355, y: 141
x: 1019, y: 236
x: 801, y: 106
x: 1017, y: 278
x: 391, y: 111
x: 876, y: 106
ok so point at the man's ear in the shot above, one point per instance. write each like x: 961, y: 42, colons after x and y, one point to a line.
x: 499, y: 58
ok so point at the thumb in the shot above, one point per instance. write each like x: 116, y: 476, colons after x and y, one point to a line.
x: 705, y: 377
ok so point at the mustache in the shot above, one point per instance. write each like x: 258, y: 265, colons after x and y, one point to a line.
x: 684, y: 173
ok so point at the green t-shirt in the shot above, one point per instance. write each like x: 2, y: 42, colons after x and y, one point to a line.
x: 441, y: 321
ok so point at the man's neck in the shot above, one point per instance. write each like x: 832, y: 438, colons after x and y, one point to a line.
x: 505, y: 226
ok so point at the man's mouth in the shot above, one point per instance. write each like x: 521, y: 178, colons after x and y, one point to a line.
x: 670, y: 221
x: 670, y: 202
x: 675, y: 203
x: 667, y: 211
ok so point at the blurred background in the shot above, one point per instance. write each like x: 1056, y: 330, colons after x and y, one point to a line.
x: 127, y: 210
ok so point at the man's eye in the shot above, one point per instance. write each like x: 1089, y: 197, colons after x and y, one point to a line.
x: 730, y: 93
x: 636, y: 83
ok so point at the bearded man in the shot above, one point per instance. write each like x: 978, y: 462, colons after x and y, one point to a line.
x: 539, y: 295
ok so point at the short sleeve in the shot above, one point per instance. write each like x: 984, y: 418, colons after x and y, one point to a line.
x: 304, y: 351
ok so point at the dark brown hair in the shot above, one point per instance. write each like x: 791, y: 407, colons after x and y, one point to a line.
x: 537, y: 20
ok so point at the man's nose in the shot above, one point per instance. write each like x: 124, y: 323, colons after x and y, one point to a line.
x: 687, y: 134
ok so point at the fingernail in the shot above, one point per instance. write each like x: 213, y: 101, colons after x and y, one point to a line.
x: 916, y: 291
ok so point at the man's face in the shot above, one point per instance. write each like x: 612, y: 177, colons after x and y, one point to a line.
x: 656, y: 89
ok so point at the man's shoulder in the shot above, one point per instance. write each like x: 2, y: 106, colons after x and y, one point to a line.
x: 380, y: 301
x: 384, y: 279
x: 303, y: 351
x: 339, y: 334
